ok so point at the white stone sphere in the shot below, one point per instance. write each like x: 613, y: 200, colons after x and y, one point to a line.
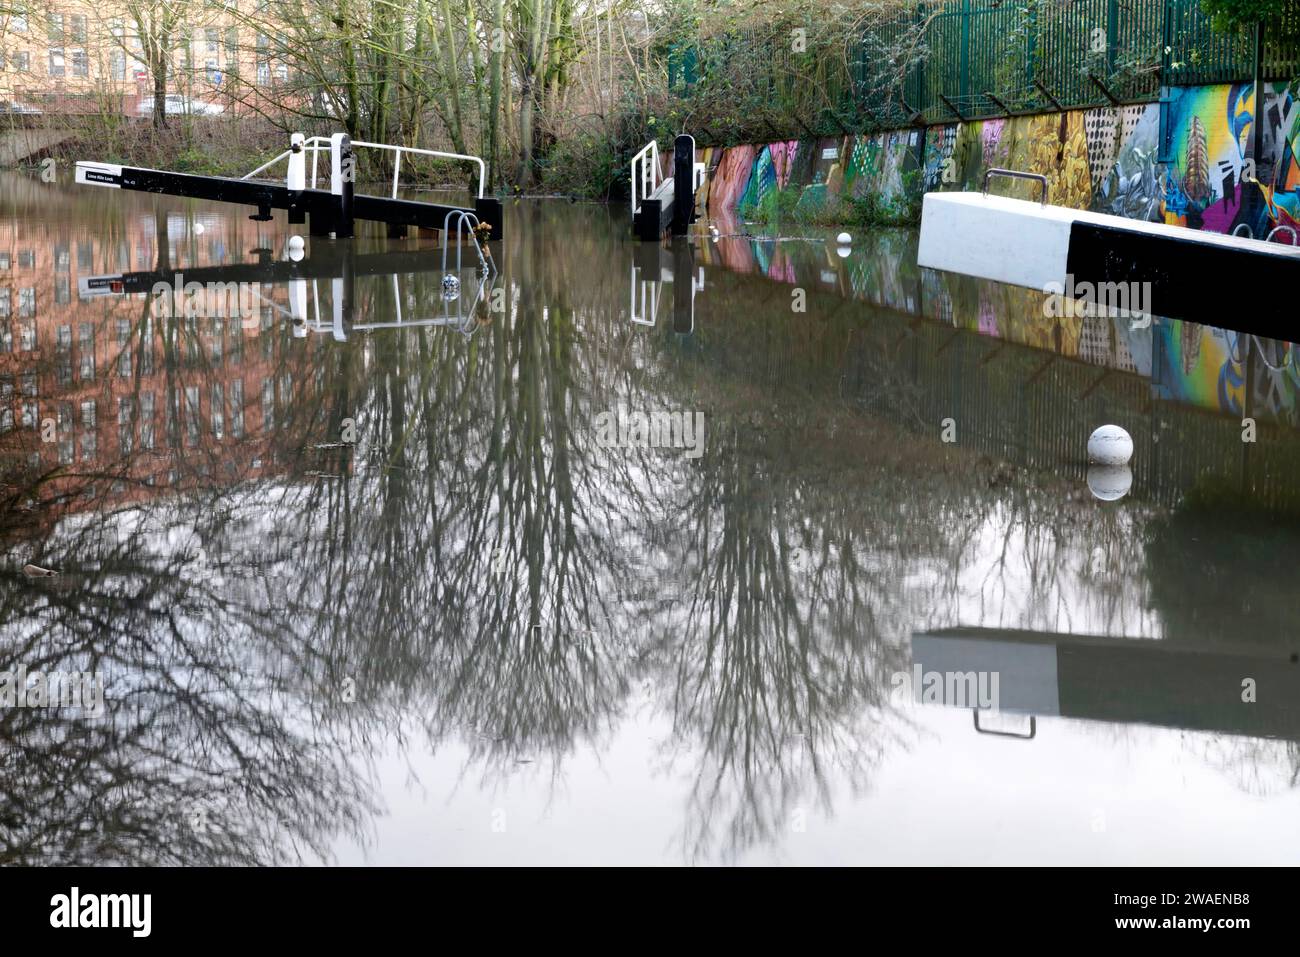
x: 1110, y: 445
x: 844, y: 239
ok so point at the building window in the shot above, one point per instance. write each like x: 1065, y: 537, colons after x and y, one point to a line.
x: 146, y: 420
x: 125, y: 433
x: 55, y: 25
x: 80, y: 64
x: 27, y: 335
x: 5, y: 302
x: 23, y: 62
x: 78, y: 24
x: 27, y: 301
x: 56, y: 62
x: 218, y: 410
x: 18, y: 23
x: 268, y: 405
x: 237, y: 408
x: 88, y: 414
x: 213, y: 38
x: 86, y: 349
x: 191, y: 415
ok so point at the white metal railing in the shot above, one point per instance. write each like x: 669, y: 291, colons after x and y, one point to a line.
x: 399, y: 150
x: 321, y: 144
x: 645, y: 170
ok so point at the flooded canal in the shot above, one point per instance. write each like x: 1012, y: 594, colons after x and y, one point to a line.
x: 627, y: 554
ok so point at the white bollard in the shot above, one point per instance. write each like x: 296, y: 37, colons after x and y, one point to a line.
x: 1110, y: 445
x: 297, y: 176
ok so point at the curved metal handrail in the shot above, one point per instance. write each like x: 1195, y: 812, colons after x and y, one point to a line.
x: 1033, y: 728
x: 1277, y: 229
x: 1017, y: 174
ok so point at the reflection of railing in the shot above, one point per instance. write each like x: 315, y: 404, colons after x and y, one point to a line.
x: 648, y: 312
x: 463, y: 318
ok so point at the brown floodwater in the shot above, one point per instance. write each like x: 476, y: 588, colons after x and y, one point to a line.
x: 625, y: 553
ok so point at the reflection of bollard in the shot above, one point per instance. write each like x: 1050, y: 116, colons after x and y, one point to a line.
x: 683, y: 288
x: 1109, y: 483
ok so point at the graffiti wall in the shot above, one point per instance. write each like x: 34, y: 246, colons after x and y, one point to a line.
x: 815, y: 172
x: 1213, y: 179
x: 1053, y: 145
x: 1106, y: 159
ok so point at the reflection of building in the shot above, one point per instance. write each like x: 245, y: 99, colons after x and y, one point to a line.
x: 75, y: 56
x: 100, y: 390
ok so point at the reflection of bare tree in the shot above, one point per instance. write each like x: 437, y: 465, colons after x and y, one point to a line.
x: 474, y: 566
x: 208, y: 751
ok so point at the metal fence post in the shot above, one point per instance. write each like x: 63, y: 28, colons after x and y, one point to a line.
x: 963, y: 85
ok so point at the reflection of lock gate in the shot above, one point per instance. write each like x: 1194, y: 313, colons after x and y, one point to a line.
x: 337, y: 263
x: 1177, y: 682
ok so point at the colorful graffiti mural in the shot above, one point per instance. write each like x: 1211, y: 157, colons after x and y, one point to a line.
x: 1055, y: 145
x: 1213, y: 179
x: 1123, y: 148
x: 1186, y: 363
x: 1105, y: 159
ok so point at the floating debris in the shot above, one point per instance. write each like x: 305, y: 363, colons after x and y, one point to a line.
x: 36, y: 571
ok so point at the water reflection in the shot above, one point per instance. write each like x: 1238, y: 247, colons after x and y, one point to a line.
x: 293, y: 556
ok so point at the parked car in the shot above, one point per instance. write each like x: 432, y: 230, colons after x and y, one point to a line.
x: 178, y: 105
x: 23, y: 109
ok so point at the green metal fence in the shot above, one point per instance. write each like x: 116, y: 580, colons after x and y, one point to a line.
x: 981, y: 58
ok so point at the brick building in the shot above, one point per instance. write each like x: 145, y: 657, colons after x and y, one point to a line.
x: 73, y: 56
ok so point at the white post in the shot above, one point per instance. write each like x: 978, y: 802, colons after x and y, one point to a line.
x: 296, y: 178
